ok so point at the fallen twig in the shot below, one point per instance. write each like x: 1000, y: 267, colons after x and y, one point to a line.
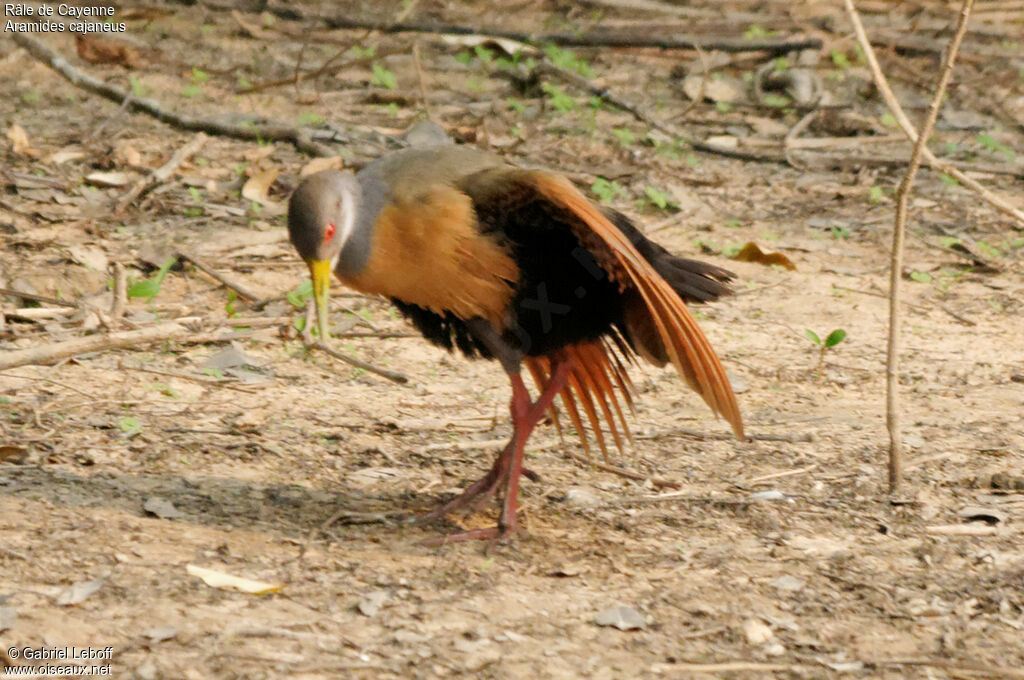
x: 922, y: 308
x: 844, y: 161
x: 591, y: 39
x: 622, y: 472
x: 359, y: 363
x: 721, y: 436
x: 94, y: 343
x: 778, y: 475
x: 233, y: 285
x: 640, y: 114
x: 161, y: 174
x: 36, y: 298
x: 39, y: 313
x: 956, y: 666
x: 254, y: 128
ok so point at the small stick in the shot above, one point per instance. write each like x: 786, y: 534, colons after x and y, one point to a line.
x: 640, y: 114
x: 721, y: 436
x: 422, y: 80
x: 730, y: 667
x: 622, y: 472
x: 961, y: 530
x: 120, y: 302
x: 36, y: 298
x: 205, y: 380
x: 778, y: 475
x: 163, y: 173
x: 892, y: 403
x: 201, y: 266
x: 37, y: 313
x: 93, y: 343
x: 923, y: 308
x: 359, y: 363
x: 956, y: 666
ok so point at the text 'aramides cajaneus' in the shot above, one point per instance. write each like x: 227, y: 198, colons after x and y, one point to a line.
x: 515, y: 265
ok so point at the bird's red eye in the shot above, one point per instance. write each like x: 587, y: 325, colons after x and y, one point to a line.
x: 329, y: 231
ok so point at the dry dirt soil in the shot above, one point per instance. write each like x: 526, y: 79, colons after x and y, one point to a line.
x: 782, y: 556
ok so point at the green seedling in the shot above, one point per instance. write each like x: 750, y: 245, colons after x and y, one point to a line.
x: 301, y: 295
x: 606, y: 190
x: 833, y: 339
x: 558, y: 98
x: 382, y: 77
x: 993, y: 145
x: 148, y: 288
x: 624, y: 135
x: 755, y: 32
x: 566, y: 59
x: 129, y: 425
x: 659, y: 199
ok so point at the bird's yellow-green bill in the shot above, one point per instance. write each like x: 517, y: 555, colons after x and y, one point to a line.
x: 320, y: 270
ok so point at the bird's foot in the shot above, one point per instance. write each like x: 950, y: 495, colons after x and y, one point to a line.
x: 474, y: 495
x: 485, y: 534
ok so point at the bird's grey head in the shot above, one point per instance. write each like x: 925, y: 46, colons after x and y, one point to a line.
x: 322, y: 215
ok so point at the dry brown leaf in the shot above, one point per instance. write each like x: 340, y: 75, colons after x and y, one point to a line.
x: 19, y: 140
x: 13, y: 454
x: 258, y: 153
x: 752, y: 253
x: 257, y: 187
x: 107, y: 50
x: 126, y: 154
x: 318, y: 164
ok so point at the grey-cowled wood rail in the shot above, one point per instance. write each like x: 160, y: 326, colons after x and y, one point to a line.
x: 515, y: 265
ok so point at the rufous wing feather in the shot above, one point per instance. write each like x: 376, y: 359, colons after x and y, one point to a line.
x: 682, y: 339
x: 597, y: 380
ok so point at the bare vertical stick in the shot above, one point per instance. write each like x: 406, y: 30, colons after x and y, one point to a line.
x: 422, y: 80
x: 892, y: 404
x: 120, y: 292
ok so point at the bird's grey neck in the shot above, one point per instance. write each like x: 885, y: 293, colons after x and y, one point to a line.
x: 372, y: 196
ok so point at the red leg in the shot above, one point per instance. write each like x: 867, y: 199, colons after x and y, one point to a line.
x: 509, y: 466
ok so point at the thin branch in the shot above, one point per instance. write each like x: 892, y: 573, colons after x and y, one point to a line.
x: 163, y: 173
x: 251, y: 129
x: 233, y: 285
x: 599, y: 38
x: 11, y: 292
x: 882, y: 83
x: 892, y: 404
x: 359, y: 363
x: 644, y: 116
x: 93, y: 343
